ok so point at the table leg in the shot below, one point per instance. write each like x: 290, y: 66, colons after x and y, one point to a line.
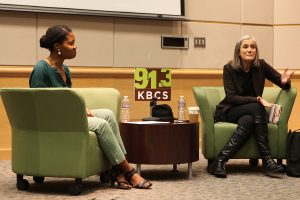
x: 190, y: 170
x: 138, y: 168
x: 174, y: 168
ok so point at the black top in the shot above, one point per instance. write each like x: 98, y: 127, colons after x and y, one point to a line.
x: 247, y: 84
x: 239, y: 91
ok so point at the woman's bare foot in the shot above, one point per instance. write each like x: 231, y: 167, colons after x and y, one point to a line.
x: 136, y: 181
x: 133, y: 177
x: 122, y: 182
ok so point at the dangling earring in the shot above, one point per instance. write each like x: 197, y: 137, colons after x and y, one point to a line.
x: 58, y: 52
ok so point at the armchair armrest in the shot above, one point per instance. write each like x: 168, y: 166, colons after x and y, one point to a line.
x: 207, y: 125
x: 286, y: 99
x: 96, y: 98
x: 202, y: 102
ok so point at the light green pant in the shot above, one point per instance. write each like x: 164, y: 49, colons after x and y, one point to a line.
x: 105, y: 125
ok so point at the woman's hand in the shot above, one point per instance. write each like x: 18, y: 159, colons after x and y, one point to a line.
x: 89, y: 113
x: 264, y: 102
x: 286, y: 76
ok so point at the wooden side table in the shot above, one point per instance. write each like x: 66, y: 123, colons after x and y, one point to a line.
x: 161, y: 143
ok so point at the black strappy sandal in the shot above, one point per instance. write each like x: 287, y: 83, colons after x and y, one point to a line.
x: 121, y: 184
x: 144, y: 184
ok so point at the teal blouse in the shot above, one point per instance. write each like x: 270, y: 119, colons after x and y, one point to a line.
x: 43, y: 75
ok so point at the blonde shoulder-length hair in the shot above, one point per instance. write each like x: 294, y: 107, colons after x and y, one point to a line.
x: 236, y: 62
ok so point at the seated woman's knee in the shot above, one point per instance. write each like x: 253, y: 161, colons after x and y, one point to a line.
x: 247, y: 122
x: 104, y: 113
x: 257, y: 109
x: 97, y: 124
x: 108, y: 112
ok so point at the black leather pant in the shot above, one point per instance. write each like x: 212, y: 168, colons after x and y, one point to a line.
x: 249, y: 117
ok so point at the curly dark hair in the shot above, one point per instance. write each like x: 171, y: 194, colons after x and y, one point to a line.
x: 54, y: 34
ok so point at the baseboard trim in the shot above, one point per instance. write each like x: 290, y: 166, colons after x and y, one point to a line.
x: 5, y: 154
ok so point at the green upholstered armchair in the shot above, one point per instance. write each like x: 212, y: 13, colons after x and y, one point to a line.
x: 216, y: 135
x: 50, y: 136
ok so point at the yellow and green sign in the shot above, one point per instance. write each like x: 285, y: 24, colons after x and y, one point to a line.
x: 149, y: 82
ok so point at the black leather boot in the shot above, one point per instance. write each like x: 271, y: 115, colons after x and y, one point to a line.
x: 261, y: 135
x: 217, y: 168
x: 271, y: 166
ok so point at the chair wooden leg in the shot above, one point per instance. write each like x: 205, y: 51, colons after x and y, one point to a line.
x: 22, y: 184
x: 38, y: 179
x: 76, y: 189
x: 253, y: 162
x: 105, y: 177
x: 209, y: 161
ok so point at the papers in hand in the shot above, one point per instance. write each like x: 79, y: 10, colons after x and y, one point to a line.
x: 275, y: 113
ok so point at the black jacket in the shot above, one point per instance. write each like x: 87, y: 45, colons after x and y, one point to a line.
x: 232, y: 81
